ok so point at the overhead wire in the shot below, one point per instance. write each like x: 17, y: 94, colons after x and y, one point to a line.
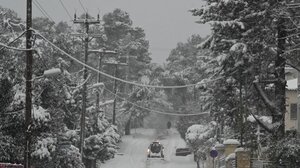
x: 14, y: 48
x: 82, y: 6
x: 40, y: 9
x: 119, y: 79
x: 15, y: 39
x: 156, y: 111
x: 62, y: 4
x: 44, y: 12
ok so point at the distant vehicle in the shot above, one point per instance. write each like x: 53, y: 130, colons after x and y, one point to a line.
x: 155, y: 149
x: 183, y: 151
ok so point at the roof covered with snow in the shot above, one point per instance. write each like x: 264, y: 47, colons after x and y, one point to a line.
x: 239, y: 150
x: 231, y: 142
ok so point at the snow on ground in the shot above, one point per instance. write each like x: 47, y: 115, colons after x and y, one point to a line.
x: 133, y: 151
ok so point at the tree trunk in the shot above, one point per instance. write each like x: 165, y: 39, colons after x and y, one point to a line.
x: 128, y: 127
x: 198, y: 164
x: 280, y: 62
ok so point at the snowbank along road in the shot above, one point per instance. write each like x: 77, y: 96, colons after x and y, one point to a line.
x: 133, y: 151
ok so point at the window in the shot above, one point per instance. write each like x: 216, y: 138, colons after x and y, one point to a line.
x: 293, y: 112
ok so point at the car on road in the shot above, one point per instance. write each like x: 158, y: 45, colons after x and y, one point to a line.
x: 183, y: 151
x: 155, y: 149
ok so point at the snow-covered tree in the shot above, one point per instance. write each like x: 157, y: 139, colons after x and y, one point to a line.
x: 251, y: 38
x: 187, y: 64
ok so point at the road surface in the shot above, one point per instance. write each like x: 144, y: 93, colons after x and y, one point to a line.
x: 133, y: 151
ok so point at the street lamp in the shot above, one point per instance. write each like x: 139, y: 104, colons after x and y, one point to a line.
x: 28, y: 113
x: 48, y: 73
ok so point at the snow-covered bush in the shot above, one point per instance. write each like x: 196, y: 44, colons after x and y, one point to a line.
x: 93, y: 147
x: 286, y: 151
x: 201, y: 137
x: 72, y: 136
x: 44, y: 147
x: 52, y: 152
x: 102, y: 146
x: 68, y: 157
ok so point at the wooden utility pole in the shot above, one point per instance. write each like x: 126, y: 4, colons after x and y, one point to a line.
x: 280, y: 62
x: 128, y: 122
x: 86, y: 22
x: 116, y: 64
x: 29, y: 62
x: 103, y: 53
x: 298, y: 104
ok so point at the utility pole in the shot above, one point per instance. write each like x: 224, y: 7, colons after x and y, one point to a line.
x: 116, y: 64
x: 29, y: 62
x: 128, y: 122
x: 102, y: 53
x: 86, y: 22
x: 298, y: 104
x: 280, y: 63
x: 128, y: 71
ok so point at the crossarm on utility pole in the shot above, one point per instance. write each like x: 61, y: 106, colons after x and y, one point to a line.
x: 86, y: 22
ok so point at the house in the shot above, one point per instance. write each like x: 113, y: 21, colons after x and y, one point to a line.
x: 291, y: 117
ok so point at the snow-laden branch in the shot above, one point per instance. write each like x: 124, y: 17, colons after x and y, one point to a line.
x: 260, y: 123
x: 230, y: 23
x: 239, y: 47
x: 264, y: 97
x: 205, y: 43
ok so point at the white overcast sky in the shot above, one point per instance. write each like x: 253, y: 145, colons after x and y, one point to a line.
x: 166, y: 22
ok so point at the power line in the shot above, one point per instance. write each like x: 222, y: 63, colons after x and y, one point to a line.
x: 14, y: 40
x: 40, y: 9
x: 62, y: 4
x: 82, y: 6
x: 39, y: 6
x: 156, y: 111
x: 121, y: 80
x: 14, y: 48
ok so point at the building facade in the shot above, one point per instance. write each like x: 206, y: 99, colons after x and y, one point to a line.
x: 291, y: 117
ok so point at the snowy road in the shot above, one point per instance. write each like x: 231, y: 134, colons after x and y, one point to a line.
x: 132, y: 153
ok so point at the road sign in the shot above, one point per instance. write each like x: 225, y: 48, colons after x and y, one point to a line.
x: 213, y: 153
